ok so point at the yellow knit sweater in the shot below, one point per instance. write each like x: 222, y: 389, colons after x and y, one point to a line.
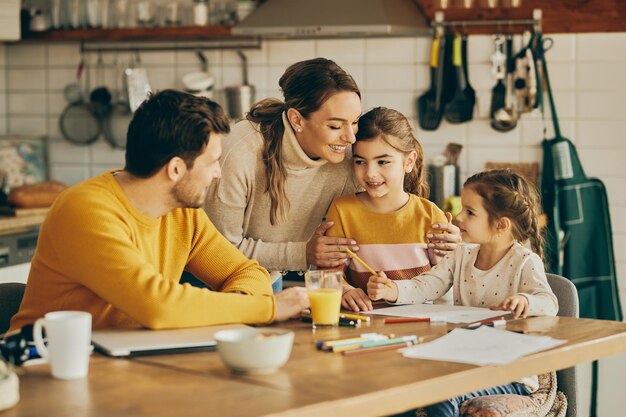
x: 97, y: 253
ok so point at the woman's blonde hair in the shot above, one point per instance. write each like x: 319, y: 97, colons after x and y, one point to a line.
x: 306, y: 86
x: 508, y: 194
x: 394, y: 128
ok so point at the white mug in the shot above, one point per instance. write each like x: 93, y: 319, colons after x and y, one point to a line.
x: 69, y: 342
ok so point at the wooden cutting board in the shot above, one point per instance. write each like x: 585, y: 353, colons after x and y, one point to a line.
x: 23, y: 219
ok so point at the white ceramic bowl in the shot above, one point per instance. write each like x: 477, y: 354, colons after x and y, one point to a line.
x: 254, y: 350
x: 198, y: 81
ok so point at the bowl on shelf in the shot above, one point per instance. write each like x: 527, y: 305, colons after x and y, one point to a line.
x: 254, y: 350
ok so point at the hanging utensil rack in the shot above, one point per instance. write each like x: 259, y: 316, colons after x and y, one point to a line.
x: 160, y: 46
x: 439, y: 23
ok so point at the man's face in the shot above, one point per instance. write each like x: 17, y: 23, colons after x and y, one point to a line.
x: 192, y: 190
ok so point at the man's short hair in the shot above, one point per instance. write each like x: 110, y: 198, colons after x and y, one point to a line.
x: 168, y: 124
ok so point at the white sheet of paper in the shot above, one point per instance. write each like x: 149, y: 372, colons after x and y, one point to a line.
x: 483, y: 346
x: 445, y: 312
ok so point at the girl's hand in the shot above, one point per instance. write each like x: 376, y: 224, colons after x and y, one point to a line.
x: 328, y: 252
x: 517, y: 304
x: 379, y: 287
x: 356, y: 300
x: 445, y: 239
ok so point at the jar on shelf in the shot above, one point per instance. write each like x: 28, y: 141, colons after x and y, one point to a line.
x: 200, y: 12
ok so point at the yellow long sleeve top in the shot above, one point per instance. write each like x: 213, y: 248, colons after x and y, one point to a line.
x: 392, y: 242
x: 99, y: 254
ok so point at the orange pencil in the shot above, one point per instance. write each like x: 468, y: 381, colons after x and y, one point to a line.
x: 407, y: 320
x: 366, y: 266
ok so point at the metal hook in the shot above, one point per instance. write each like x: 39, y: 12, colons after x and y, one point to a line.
x: 204, y: 62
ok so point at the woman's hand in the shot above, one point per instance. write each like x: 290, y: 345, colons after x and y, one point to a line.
x: 356, y: 300
x: 328, y: 252
x: 290, y: 303
x: 444, y: 238
x: 379, y: 287
x: 517, y: 304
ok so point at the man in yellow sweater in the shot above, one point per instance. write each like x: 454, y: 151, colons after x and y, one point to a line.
x: 117, y: 244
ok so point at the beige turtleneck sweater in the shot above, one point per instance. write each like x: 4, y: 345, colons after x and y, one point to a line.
x: 240, y: 208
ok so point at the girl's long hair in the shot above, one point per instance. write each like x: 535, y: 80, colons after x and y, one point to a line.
x: 508, y: 194
x: 394, y: 128
x: 306, y: 86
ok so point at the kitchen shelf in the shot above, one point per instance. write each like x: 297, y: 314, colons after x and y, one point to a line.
x: 134, y: 34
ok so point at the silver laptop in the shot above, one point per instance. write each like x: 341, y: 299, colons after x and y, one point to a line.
x: 152, y: 342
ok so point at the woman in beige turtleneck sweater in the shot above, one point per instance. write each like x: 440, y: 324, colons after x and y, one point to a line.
x: 284, y: 164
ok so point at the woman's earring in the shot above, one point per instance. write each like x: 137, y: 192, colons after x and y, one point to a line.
x: 299, y: 129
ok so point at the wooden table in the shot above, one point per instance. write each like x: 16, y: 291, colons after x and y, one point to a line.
x: 312, y: 383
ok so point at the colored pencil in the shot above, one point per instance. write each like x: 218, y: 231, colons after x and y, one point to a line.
x: 410, y: 320
x: 366, y: 266
x: 496, y: 321
x: 353, y: 316
x: 382, y: 348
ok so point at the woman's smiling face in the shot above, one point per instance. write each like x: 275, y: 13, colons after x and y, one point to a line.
x: 328, y: 132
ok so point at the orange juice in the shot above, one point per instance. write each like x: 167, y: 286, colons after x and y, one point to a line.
x: 325, y: 305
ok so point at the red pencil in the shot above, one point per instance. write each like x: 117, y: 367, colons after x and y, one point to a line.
x: 408, y: 320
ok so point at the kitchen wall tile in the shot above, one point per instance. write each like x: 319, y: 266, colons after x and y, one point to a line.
x: 600, y: 105
x: 481, y: 133
x: 390, y: 78
x: 563, y: 76
x: 3, y: 55
x: 63, y: 55
x: 257, y: 76
x: 3, y: 79
x: 563, y: 49
x: 422, y: 78
x: 601, y: 47
x: 21, y: 55
x: 603, y: 162
x: 102, y: 153
x: 3, y: 126
x: 273, y: 75
x: 443, y: 135
x: 24, y: 125
x: 483, y: 105
x: 63, y: 152
x: 232, y: 75
x: 27, y: 104
x: 190, y: 58
x: 390, y: 51
x: 403, y: 102
x: 480, y: 76
x: 254, y: 56
x: 56, y: 104
x: 161, y: 78
x: 3, y: 104
x: 605, y: 133
x: 479, y: 155
x: 531, y: 154
x: 600, y: 76
x: 479, y: 49
x: 619, y: 247
x: 59, y: 78
x: 157, y: 58
x: 342, y: 51
x: 54, y: 132
x: 357, y: 72
x: 618, y: 221
x: 69, y: 174
x: 422, y: 50
x: 290, y: 52
x: 616, y: 187
x: 532, y: 129
x: 565, y: 104
x: 26, y: 80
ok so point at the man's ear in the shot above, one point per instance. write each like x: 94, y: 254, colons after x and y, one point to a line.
x: 175, y: 169
x: 295, y: 119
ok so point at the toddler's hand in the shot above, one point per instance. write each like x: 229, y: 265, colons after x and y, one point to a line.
x: 517, y: 304
x: 356, y: 300
x: 379, y: 287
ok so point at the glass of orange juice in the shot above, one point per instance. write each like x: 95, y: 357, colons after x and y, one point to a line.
x: 324, y: 289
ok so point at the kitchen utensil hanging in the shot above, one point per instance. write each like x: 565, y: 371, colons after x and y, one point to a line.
x: 498, y: 69
x: 137, y: 83
x: 77, y: 122
x: 115, y: 126
x: 429, y: 108
x: 505, y: 119
x: 460, y: 108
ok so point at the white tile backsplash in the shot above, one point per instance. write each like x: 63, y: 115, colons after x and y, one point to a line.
x: 399, y: 77
x: 599, y: 47
x: 26, y: 79
x: 27, y: 104
x: 390, y: 51
x: 21, y: 55
x: 25, y: 125
x: 342, y: 51
x: 290, y: 52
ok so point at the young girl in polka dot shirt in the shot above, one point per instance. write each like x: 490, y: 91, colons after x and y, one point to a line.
x: 492, y: 269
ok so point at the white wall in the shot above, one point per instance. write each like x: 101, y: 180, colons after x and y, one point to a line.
x: 586, y: 72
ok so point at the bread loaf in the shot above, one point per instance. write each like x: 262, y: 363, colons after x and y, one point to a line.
x: 41, y: 194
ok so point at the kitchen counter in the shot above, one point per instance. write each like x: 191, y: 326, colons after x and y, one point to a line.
x: 23, y: 219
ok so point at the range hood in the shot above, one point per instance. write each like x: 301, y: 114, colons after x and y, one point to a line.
x: 334, y: 18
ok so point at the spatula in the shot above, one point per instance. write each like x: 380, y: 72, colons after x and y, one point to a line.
x: 460, y: 108
x: 469, y: 91
x: 429, y: 108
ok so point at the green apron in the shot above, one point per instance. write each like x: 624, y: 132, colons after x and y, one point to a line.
x: 579, y: 240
